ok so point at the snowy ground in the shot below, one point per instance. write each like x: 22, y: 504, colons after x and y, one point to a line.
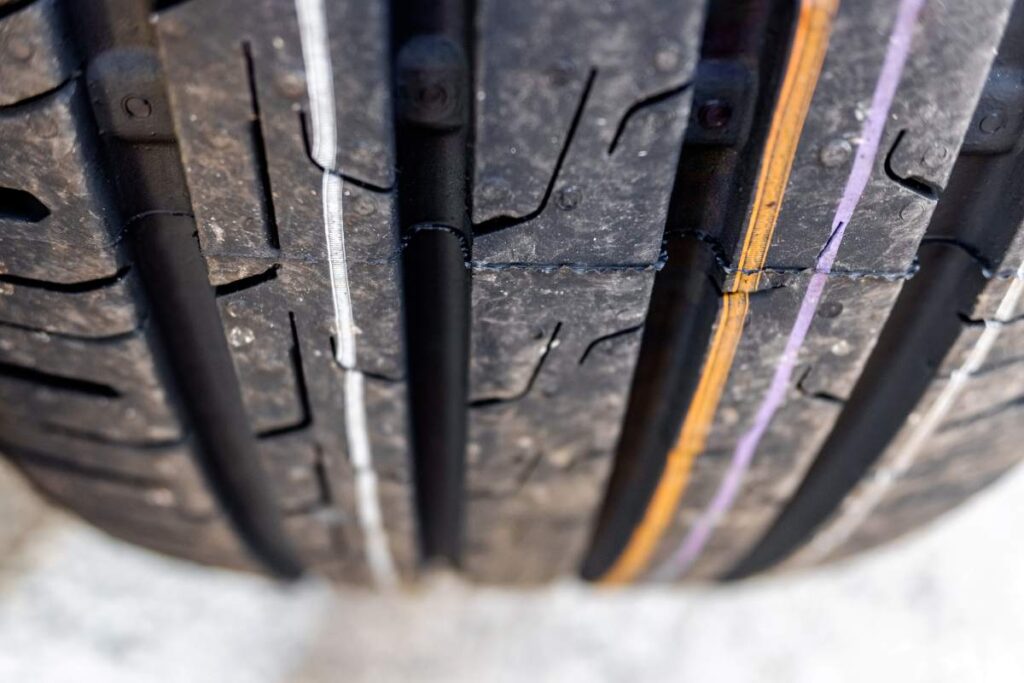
x: 944, y: 605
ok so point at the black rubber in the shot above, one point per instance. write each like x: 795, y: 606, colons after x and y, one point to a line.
x: 432, y: 71
x: 541, y: 205
x: 981, y: 207
x: 713, y: 182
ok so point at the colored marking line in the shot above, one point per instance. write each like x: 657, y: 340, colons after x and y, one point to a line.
x: 859, y: 506
x: 871, y: 134
x: 810, y: 43
x: 316, y: 57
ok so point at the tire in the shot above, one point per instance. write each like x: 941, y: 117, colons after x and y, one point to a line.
x: 365, y: 287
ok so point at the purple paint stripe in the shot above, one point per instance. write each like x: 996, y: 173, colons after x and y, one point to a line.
x: 746, y: 447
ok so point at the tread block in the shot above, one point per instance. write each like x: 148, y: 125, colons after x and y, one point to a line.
x: 558, y: 95
x: 549, y: 375
x: 110, y: 390
x: 928, y: 118
x: 34, y: 56
x: 291, y: 461
x: 45, y: 155
x: 877, y: 254
x: 267, y: 359
x: 108, y: 307
x: 145, y: 501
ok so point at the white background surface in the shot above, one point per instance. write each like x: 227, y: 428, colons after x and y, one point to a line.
x: 944, y: 605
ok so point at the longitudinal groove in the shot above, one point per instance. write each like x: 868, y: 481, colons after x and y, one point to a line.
x: 431, y: 43
x: 116, y: 39
x: 746, y: 448
x: 685, y: 303
x: 323, y: 149
x: 981, y: 203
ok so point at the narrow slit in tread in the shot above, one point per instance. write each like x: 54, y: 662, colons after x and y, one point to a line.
x: 248, y: 282
x: 80, y: 287
x: 525, y: 391
x: 300, y: 386
x: 918, y: 186
x: 260, y: 150
x: 639, y: 105
x: 57, y: 382
x: 358, y: 182
x: 498, y: 223
x: 606, y: 338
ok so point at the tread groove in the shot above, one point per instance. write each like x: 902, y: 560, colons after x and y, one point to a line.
x: 259, y: 146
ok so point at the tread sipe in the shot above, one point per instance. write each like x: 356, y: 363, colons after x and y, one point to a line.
x: 628, y: 289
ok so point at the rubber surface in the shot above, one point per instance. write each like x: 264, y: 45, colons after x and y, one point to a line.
x: 363, y: 287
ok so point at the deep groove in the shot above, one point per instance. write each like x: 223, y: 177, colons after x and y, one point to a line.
x: 66, y: 287
x: 707, y: 211
x: 192, y: 352
x: 260, y: 150
x: 21, y: 206
x: 432, y: 47
x: 357, y: 182
x: 57, y: 382
x: 606, y: 338
x: 984, y: 263
x: 918, y: 186
x: 247, y: 282
x: 525, y: 391
x: 983, y: 202
x: 641, y: 104
x: 492, y: 225
x: 295, y: 354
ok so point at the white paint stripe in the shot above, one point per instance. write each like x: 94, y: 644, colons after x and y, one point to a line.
x: 337, y: 261
x: 316, y: 57
x: 859, y: 507
x: 378, y: 554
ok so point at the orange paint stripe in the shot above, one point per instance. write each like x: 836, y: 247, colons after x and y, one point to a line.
x: 810, y: 43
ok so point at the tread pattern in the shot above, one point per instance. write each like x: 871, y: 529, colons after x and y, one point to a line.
x: 579, y: 114
x: 227, y: 81
x: 926, y: 125
x: 556, y: 95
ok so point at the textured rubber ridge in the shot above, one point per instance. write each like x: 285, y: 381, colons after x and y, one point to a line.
x: 578, y: 136
x: 355, y: 286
